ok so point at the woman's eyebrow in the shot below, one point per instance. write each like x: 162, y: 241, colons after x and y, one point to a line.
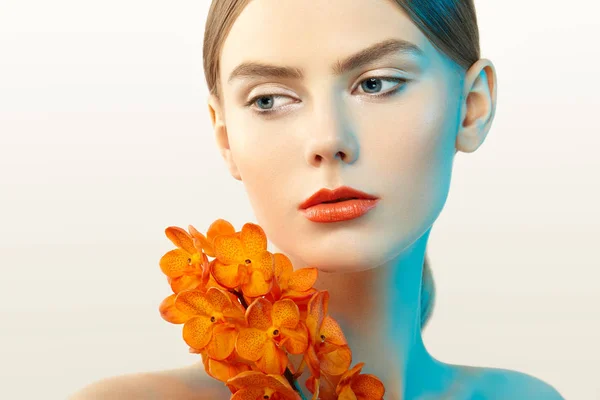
x: 249, y: 70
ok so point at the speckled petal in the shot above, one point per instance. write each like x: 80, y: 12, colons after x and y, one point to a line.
x: 258, y: 314
x: 229, y: 249
x: 218, y: 299
x: 332, y: 331
x: 249, y: 393
x: 197, y: 332
x: 193, y: 302
x: 254, y: 239
x: 263, y: 262
x: 285, y: 314
x: 227, y: 275
x: 273, y: 361
x: 181, y: 239
x: 175, y: 263
x: 250, y: 343
x: 223, y: 342
x: 282, y: 266
x: 317, y: 309
x: 368, y: 387
x: 303, y: 279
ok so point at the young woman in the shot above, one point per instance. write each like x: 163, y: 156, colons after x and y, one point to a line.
x: 369, y: 100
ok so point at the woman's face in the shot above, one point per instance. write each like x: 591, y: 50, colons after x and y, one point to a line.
x: 392, y: 136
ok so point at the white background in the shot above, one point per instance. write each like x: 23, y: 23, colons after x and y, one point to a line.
x: 105, y: 141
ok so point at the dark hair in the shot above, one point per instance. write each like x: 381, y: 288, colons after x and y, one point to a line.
x: 450, y: 25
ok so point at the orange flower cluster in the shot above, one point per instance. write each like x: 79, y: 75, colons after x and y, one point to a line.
x: 247, y: 309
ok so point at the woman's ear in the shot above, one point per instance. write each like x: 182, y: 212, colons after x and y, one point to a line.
x: 479, y: 107
x: 215, y: 111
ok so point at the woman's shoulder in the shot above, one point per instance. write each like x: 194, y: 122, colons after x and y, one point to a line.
x: 185, y: 383
x: 504, y: 384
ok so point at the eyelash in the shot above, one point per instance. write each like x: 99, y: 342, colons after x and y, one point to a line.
x: 382, y: 78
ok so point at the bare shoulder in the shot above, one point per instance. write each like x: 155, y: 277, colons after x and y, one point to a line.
x: 178, y: 384
x: 503, y: 384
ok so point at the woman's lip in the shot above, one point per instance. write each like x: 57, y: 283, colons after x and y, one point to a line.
x: 340, y: 211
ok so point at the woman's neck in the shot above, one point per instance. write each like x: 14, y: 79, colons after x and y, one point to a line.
x: 379, y: 311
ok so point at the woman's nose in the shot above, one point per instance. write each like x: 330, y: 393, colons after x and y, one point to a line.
x: 332, y: 139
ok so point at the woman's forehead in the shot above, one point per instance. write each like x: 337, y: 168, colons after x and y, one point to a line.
x: 291, y: 32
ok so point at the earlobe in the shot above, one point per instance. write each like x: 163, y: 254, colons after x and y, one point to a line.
x: 221, y: 136
x: 479, y: 106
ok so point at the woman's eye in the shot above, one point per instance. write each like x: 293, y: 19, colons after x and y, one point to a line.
x: 374, y: 85
x: 265, y: 102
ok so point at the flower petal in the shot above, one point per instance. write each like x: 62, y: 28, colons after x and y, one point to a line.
x: 335, y: 360
x: 193, y: 302
x: 185, y: 282
x: 181, y: 239
x: 257, y: 285
x: 332, y: 332
x: 258, y: 314
x: 245, y: 379
x: 368, y: 387
x: 285, y: 313
x: 197, y: 331
x: 312, y: 362
x: 276, y: 383
x: 274, y: 360
x: 227, y: 275
x: 254, y: 238
x: 317, y: 309
x: 175, y: 263
x: 224, y: 370
x: 218, y: 299
x: 298, y: 296
x: 263, y: 262
x: 223, y: 342
x: 250, y: 343
x: 348, y: 376
x: 219, y: 227
x: 347, y: 394
x: 170, y: 313
x: 296, y: 340
x: 249, y: 393
x: 282, y: 266
x: 229, y: 249
x: 303, y: 279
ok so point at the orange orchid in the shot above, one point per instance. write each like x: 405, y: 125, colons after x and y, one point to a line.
x: 328, y: 349
x: 356, y: 386
x: 213, y: 323
x: 186, y: 267
x: 206, y: 243
x: 247, y: 347
x: 243, y: 261
x: 290, y: 284
x: 270, y: 328
x: 254, y: 385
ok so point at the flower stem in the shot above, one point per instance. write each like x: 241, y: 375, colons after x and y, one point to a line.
x: 290, y: 377
x: 241, y: 297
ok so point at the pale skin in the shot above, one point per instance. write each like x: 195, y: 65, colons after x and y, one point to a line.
x: 328, y: 130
